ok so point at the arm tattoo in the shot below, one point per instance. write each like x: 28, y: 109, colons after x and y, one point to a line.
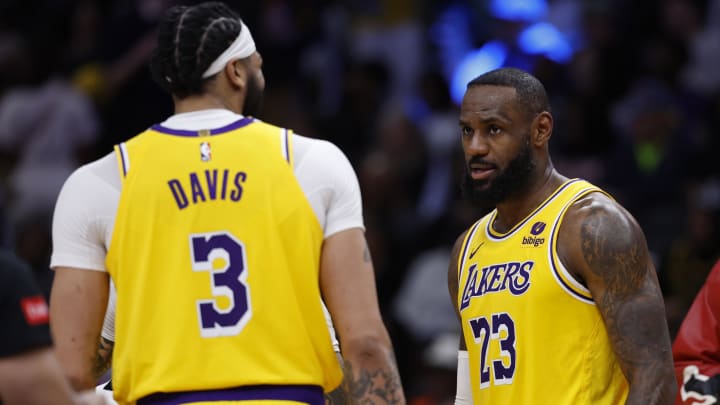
x: 103, y: 357
x: 630, y: 302
x: 381, y: 386
x: 338, y: 396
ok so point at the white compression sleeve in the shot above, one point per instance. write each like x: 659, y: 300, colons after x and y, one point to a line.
x: 463, y: 395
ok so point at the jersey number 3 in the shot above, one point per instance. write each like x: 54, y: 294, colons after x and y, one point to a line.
x: 499, y: 327
x: 221, y: 254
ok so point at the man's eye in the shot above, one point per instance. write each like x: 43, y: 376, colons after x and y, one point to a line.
x: 467, y: 131
x: 494, y: 130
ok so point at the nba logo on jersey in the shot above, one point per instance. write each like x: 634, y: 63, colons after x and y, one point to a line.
x: 205, y: 152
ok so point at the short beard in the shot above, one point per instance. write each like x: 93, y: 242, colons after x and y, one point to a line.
x: 253, y: 98
x: 511, y: 181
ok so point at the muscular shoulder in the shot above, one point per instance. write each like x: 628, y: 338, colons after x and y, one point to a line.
x: 84, y: 215
x: 330, y: 183
x: 102, y: 172
x: 599, y: 237
x: 321, y: 157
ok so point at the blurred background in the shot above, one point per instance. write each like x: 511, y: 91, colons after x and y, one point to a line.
x: 635, y: 90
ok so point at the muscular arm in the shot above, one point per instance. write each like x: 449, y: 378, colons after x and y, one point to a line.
x: 103, y: 357
x: 347, y: 281
x: 77, y: 307
x: 452, y: 279
x: 604, y: 246
x: 463, y: 393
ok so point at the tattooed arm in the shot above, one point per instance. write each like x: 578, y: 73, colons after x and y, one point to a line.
x: 603, y: 246
x: 103, y: 358
x: 347, y: 282
x: 340, y: 395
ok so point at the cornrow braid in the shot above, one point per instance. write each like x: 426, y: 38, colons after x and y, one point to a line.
x: 189, y: 40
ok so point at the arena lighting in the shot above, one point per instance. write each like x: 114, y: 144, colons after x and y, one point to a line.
x: 545, y: 39
x: 518, y: 10
x: 491, y: 56
x: 451, y: 35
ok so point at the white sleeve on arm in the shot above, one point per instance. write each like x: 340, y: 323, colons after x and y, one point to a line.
x: 83, y: 220
x: 328, y: 180
x: 330, y: 183
x: 463, y: 395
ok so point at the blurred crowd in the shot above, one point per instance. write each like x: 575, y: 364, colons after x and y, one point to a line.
x: 636, y: 106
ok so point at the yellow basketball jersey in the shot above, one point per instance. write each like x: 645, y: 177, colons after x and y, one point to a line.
x: 215, y: 255
x: 533, y: 333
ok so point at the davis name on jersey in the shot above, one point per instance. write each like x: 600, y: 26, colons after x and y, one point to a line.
x: 513, y: 276
x: 207, y: 187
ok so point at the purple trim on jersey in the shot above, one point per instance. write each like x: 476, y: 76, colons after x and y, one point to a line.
x: 309, y: 394
x: 287, y: 145
x: 122, y: 159
x: 518, y: 226
x: 553, y: 256
x: 465, y: 248
x: 183, y: 132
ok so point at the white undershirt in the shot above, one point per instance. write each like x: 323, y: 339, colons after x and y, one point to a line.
x: 85, y: 211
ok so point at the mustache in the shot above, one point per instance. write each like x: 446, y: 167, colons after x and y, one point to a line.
x: 477, y: 160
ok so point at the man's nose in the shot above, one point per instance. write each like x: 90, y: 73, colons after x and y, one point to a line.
x: 477, y: 145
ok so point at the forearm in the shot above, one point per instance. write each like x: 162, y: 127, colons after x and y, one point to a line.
x: 641, y: 343
x: 371, y: 374
x: 340, y: 395
x: 103, y: 358
x: 77, y: 308
x: 653, y: 389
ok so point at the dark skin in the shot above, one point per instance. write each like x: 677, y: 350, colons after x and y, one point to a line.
x: 347, y: 282
x: 599, y: 242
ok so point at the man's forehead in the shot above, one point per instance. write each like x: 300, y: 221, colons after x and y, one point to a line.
x: 488, y: 100
x: 489, y: 94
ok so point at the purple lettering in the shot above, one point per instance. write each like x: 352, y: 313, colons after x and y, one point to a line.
x: 178, y: 193
x: 197, y: 192
x: 236, y: 194
x: 224, y: 184
x: 521, y: 282
x: 211, y: 183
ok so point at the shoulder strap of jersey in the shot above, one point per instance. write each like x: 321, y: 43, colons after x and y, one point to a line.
x: 469, y: 237
x: 566, y: 280
x: 286, y: 145
x: 123, y: 159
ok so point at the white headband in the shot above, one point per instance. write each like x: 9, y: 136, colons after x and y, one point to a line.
x: 241, y: 48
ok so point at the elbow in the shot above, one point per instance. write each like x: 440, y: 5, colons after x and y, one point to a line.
x: 367, y: 348
x: 79, y: 379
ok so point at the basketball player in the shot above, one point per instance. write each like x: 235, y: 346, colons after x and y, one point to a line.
x: 556, y: 293
x: 29, y: 372
x: 696, y: 349
x: 220, y: 233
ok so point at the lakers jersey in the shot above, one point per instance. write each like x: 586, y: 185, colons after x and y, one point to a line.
x: 215, y: 255
x: 533, y: 332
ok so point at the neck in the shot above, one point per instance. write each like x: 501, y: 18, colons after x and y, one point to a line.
x: 513, y: 210
x: 204, y: 102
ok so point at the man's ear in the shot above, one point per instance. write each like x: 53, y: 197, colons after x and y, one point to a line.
x: 236, y: 73
x: 542, y: 128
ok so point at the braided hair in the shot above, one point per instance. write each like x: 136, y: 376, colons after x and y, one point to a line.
x: 189, y: 39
